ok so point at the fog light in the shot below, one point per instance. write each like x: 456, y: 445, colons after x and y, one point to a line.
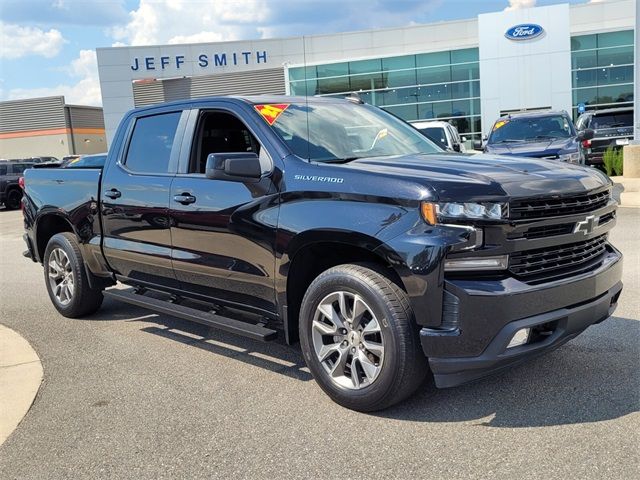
x: 499, y: 262
x: 520, y: 338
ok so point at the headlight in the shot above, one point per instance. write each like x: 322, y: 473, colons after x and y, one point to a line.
x: 431, y: 212
x: 570, y: 157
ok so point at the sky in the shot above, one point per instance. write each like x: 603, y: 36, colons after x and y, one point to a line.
x: 47, y: 47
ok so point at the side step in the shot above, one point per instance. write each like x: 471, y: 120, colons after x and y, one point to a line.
x: 230, y: 325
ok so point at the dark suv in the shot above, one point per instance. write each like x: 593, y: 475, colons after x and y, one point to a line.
x: 10, y: 191
x: 542, y: 134
x: 612, y: 128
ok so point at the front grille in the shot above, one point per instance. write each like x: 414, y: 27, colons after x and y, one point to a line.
x: 606, y: 218
x: 559, y: 260
x: 555, y: 207
x: 548, y: 231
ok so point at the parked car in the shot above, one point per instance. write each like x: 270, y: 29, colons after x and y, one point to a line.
x: 612, y: 128
x: 86, y: 161
x: 442, y: 134
x: 10, y: 173
x: 338, y: 224
x: 540, y: 134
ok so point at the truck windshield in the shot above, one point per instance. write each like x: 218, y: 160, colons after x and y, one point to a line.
x: 435, y: 134
x: 338, y: 132
x: 530, y: 129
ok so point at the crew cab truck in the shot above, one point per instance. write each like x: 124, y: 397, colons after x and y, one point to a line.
x: 336, y: 224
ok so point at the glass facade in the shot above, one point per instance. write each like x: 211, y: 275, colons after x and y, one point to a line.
x: 427, y: 86
x: 602, y: 70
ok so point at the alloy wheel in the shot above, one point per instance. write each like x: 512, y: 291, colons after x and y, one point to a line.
x: 61, y: 278
x: 348, y: 340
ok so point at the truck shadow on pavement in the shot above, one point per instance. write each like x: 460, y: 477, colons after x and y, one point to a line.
x: 272, y: 356
x: 590, y: 379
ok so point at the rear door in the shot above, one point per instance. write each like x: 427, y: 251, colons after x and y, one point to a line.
x: 135, y: 199
x: 224, y: 232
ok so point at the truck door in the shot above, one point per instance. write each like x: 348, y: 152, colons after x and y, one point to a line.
x: 135, y: 199
x: 223, y: 232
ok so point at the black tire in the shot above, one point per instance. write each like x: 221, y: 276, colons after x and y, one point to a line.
x: 84, y: 299
x: 404, y: 367
x: 13, y: 199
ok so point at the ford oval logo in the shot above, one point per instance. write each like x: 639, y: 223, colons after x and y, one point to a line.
x: 525, y: 31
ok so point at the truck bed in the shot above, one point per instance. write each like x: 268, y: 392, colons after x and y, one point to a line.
x: 72, y: 189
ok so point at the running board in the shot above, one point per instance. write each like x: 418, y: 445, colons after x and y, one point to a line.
x: 256, y: 332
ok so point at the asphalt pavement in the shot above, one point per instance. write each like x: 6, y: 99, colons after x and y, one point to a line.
x: 131, y: 394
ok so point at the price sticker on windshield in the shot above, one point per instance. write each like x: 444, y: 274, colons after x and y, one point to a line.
x: 500, y: 123
x: 271, y: 112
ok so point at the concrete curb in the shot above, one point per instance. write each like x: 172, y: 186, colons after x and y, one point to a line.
x: 20, y: 378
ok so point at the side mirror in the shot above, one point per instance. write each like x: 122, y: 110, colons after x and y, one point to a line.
x: 456, y: 147
x: 233, y: 167
x: 586, y: 134
x: 477, y: 144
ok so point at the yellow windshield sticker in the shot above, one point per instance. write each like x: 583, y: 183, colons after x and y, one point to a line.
x: 271, y: 112
x: 500, y: 123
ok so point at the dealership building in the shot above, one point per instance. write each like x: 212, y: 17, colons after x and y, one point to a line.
x: 468, y: 72
x: 49, y: 127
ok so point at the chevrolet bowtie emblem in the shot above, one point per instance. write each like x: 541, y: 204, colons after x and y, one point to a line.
x: 587, y: 225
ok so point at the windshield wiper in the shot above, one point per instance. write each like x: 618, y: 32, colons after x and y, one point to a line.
x: 338, y: 160
x: 509, y: 140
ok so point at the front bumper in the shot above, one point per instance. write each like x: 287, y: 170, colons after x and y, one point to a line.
x: 488, y: 313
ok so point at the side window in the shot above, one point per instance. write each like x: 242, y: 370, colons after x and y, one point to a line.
x: 18, y: 169
x: 3, y: 169
x: 151, y: 143
x: 222, y: 132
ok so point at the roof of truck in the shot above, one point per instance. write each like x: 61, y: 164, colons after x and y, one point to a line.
x: 608, y: 111
x: 250, y: 99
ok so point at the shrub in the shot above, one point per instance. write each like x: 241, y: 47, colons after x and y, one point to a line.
x: 612, y: 160
x: 618, y: 161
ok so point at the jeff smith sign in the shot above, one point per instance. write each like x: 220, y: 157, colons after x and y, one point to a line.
x: 203, y: 61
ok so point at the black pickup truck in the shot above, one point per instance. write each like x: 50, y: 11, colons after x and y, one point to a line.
x: 613, y: 128
x: 331, y: 222
x: 10, y: 173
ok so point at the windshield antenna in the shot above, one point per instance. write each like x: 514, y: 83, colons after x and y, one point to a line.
x: 306, y: 94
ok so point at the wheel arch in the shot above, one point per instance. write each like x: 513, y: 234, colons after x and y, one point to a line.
x: 48, y: 225
x: 313, y: 252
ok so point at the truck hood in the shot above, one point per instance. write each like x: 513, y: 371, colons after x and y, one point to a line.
x: 456, y: 177
x: 539, y: 149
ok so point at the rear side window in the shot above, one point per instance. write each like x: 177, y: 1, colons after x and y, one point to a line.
x: 151, y: 143
x: 3, y: 169
x: 19, y: 169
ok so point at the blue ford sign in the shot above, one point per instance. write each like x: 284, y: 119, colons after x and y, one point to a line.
x: 525, y: 31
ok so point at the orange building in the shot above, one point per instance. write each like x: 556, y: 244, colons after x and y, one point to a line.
x: 47, y: 126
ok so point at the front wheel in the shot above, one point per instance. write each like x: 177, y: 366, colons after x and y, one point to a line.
x: 66, y: 278
x: 359, y: 338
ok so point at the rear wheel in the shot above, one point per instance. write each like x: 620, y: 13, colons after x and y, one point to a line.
x: 13, y: 199
x: 359, y: 339
x: 66, y: 278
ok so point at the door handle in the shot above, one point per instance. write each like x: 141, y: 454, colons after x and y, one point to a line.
x: 184, y: 199
x: 113, y: 193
